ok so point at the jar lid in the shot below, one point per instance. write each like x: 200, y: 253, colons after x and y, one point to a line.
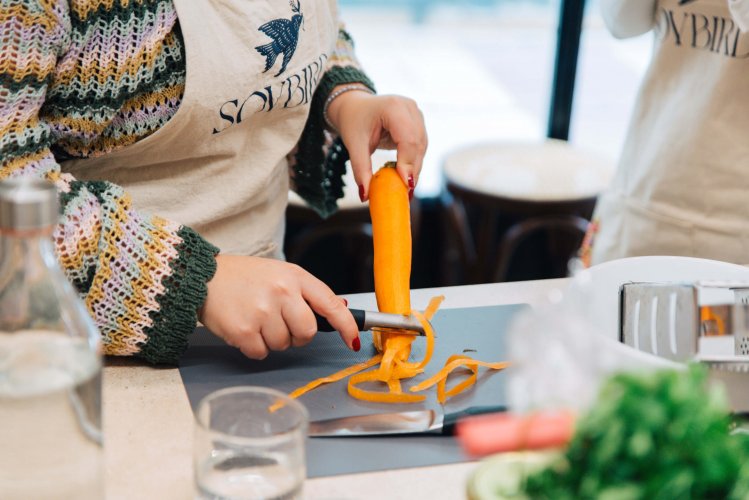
x: 28, y: 204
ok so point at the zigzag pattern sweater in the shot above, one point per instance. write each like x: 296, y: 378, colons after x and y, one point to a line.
x: 82, y: 78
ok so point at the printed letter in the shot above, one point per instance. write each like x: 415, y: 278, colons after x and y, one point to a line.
x: 293, y: 90
x: 229, y: 118
x: 702, y: 32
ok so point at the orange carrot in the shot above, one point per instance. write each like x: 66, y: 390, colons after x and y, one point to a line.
x: 391, y: 232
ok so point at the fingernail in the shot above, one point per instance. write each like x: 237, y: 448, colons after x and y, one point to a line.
x: 411, y: 184
x: 361, y: 192
x: 356, y: 344
x: 345, y: 302
x: 410, y: 194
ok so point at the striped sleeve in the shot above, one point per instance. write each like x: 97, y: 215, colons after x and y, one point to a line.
x: 319, y: 162
x: 143, y: 278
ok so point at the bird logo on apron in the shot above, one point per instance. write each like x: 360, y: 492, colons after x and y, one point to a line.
x: 285, y: 35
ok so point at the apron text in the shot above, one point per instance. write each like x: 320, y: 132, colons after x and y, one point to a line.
x: 296, y: 90
x: 715, y: 34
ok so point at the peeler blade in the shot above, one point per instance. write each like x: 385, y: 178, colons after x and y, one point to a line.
x: 377, y: 321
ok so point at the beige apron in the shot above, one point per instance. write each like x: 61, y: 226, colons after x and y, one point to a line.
x: 682, y: 187
x: 219, y: 164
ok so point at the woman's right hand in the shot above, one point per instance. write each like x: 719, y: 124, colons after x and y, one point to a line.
x: 260, y: 305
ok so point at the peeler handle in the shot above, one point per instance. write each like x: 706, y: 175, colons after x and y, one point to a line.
x: 358, y: 314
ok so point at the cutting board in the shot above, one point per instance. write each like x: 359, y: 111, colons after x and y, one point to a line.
x: 209, y: 364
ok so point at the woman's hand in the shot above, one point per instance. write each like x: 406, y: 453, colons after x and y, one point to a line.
x: 260, y: 305
x: 367, y: 122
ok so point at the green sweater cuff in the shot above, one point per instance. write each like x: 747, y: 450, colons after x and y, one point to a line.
x: 186, y: 290
x: 318, y: 171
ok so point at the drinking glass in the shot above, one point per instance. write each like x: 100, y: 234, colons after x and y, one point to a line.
x: 249, y: 445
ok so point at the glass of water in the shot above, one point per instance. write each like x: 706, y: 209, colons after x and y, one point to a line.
x: 249, y: 445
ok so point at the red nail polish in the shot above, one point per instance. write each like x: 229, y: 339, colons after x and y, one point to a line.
x: 411, y: 184
x: 356, y: 344
x: 345, y: 302
x: 361, y: 192
x: 410, y: 194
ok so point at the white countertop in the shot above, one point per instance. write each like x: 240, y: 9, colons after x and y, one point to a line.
x: 148, y: 425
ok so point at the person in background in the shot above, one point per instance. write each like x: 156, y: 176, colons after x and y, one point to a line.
x: 201, y: 113
x: 682, y: 184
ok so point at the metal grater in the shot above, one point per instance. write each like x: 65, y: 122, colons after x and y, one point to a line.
x: 682, y: 321
x: 741, y: 320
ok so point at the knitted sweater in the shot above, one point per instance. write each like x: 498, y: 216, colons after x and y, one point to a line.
x: 82, y: 78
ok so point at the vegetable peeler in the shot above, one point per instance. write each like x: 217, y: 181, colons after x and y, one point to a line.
x: 373, y: 320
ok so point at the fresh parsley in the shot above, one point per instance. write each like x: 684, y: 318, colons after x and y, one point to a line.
x: 665, y: 435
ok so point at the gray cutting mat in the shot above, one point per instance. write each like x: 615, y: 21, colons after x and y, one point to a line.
x: 209, y: 364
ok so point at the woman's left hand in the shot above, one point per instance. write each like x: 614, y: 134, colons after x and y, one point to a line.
x: 367, y: 122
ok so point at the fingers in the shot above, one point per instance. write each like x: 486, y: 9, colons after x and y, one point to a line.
x: 405, y: 125
x: 276, y: 333
x: 248, y: 338
x: 300, y: 321
x: 327, y: 304
x: 392, y: 122
x: 423, y: 140
x: 361, y: 163
x: 253, y: 346
x: 258, y: 305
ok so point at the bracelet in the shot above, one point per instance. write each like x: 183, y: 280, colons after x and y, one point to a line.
x: 333, y: 95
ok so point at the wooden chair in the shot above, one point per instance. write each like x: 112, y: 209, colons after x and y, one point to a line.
x: 565, y: 234
x: 503, y: 197
x: 338, y: 249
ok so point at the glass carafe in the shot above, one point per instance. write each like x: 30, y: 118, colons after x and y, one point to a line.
x: 50, y: 361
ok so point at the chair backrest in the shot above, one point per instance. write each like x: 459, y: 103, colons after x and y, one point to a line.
x: 565, y: 233
x: 339, y: 249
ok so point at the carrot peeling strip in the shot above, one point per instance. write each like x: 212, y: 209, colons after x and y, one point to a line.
x: 336, y: 376
x: 378, y: 397
x: 394, y: 385
x: 433, y: 305
x: 442, y: 395
x: 429, y: 335
x: 450, y: 366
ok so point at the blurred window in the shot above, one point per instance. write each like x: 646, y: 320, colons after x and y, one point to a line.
x: 481, y: 70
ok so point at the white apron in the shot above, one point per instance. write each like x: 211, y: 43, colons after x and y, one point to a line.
x: 682, y: 187
x: 219, y: 164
